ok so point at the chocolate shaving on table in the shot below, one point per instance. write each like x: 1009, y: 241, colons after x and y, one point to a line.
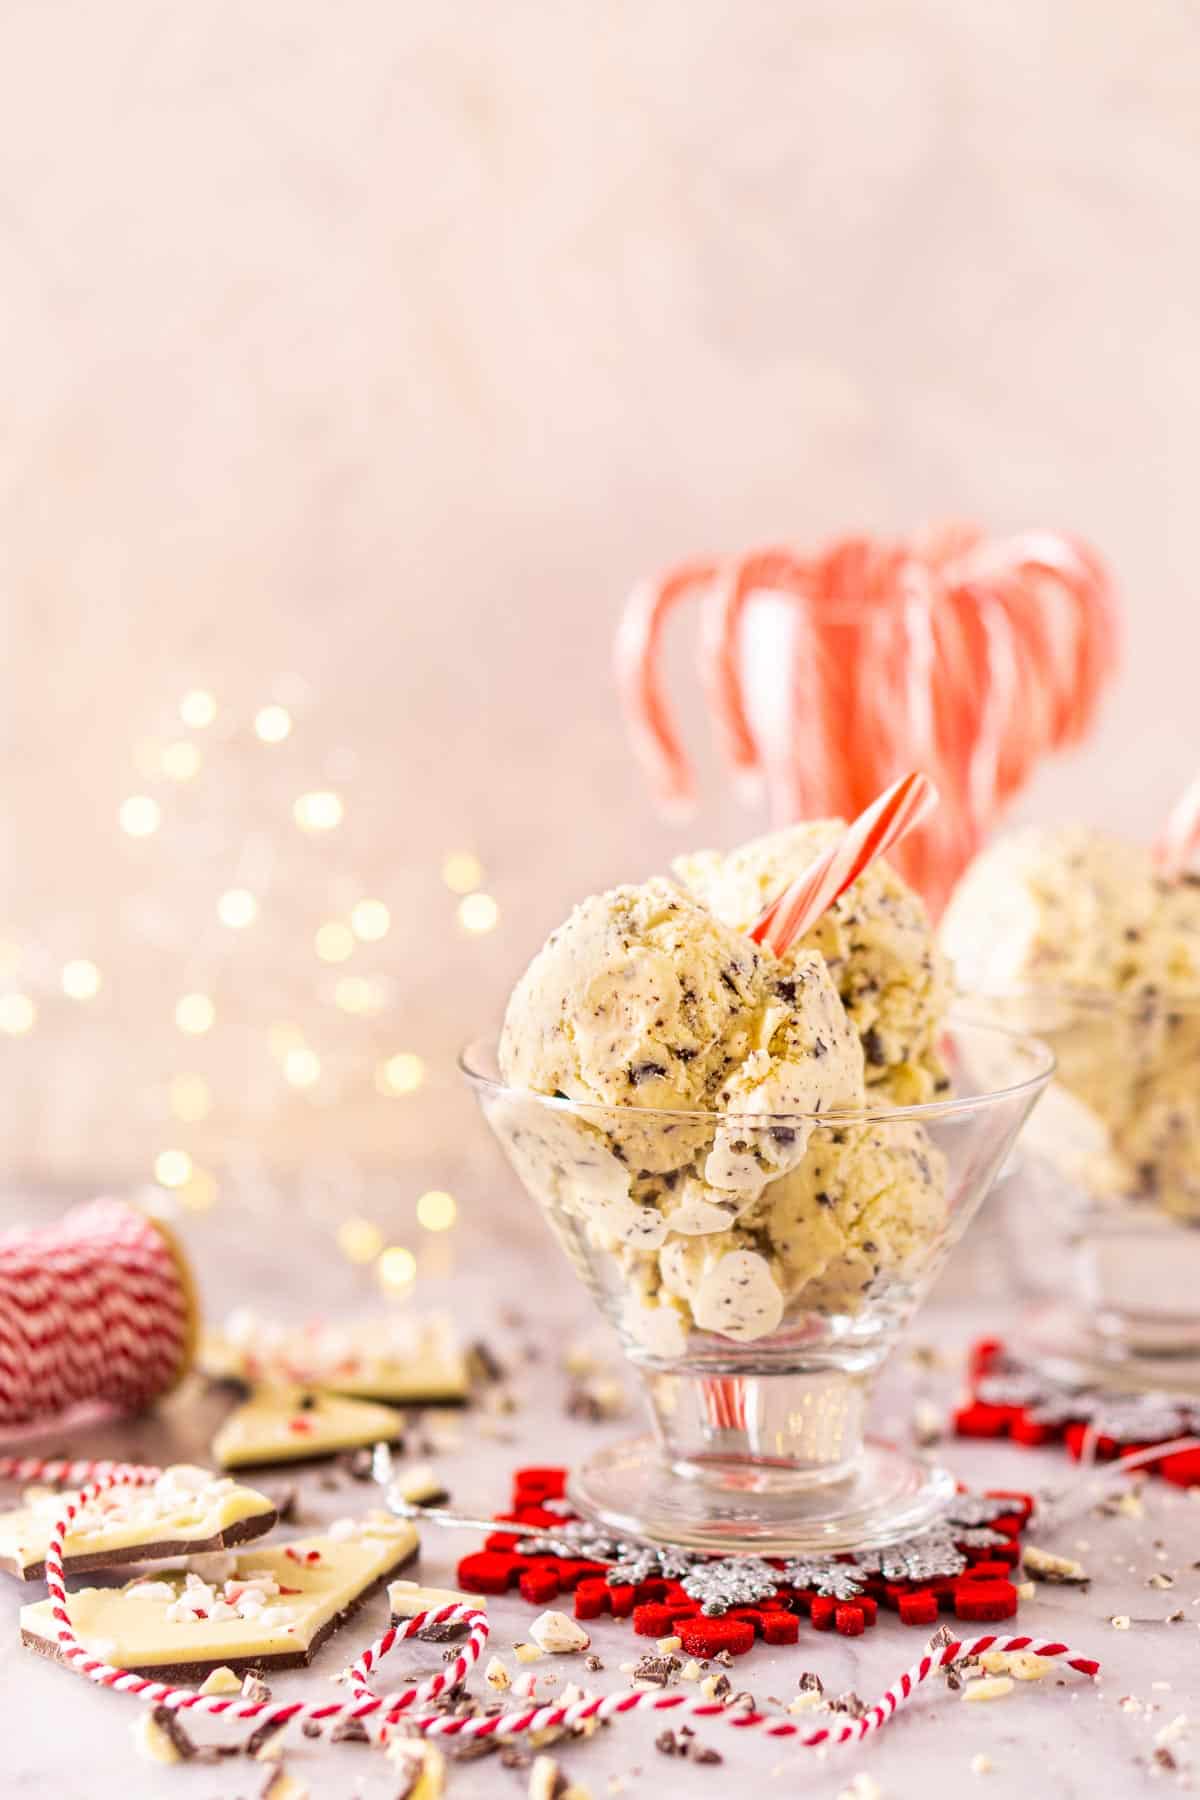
x: 657, y: 1669
x: 172, y: 1728
x: 483, y: 1365
x: 349, y: 1731
x: 254, y: 1688
x: 262, y: 1735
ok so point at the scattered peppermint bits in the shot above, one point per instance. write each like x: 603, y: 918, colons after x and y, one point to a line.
x: 1121, y: 1622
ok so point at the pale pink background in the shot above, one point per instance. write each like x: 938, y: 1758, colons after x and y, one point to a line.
x: 388, y: 343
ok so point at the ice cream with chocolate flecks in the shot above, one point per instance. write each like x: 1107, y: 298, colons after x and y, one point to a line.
x: 1080, y: 938
x: 643, y: 1001
x: 667, y: 1087
x: 876, y: 941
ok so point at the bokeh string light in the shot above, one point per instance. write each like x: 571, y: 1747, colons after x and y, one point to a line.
x: 276, y: 976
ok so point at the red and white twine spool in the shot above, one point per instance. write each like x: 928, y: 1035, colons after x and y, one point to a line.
x: 98, y: 1307
x: 896, y: 812
x: 392, y: 1709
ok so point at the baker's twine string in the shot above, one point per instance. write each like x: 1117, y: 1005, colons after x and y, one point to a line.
x: 403, y: 1707
x: 92, y: 1308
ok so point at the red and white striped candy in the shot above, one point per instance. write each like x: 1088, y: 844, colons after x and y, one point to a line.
x: 403, y: 1707
x: 890, y: 818
x: 1181, y: 835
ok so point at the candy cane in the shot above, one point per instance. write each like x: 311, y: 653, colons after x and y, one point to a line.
x: 401, y: 1708
x: 639, y: 681
x: 1181, y: 835
x: 968, y: 656
x: 892, y: 816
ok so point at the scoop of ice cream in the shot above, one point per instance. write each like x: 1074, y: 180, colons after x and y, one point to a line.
x: 1084, y: 942
x: 1059, y: 907
x: 867, y: 1207
x: 643, y: 1001
x: 876, y: 941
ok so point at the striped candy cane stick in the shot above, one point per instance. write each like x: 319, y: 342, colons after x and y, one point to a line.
x: 1181, y: 835
x: 403, y: 1708
x: 884, y: 823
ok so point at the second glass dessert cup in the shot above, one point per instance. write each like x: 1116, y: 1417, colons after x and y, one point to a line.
x: 1106, y: 1214
x: 759, y: 1316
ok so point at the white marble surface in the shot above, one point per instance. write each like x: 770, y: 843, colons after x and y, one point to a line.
x: 1064, y: 1736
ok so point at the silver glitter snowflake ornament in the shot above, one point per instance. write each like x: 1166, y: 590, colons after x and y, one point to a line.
x: 824, y: 1575
x: 642, y: 1562
x: 930, y: 1557
x: 734, y: 1581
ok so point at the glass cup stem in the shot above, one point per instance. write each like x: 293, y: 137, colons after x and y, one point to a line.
x: 759, y: 1432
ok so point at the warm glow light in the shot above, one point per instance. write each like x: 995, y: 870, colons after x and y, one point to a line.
x: 401, y: 1074
x: 436, y: 1210
x: 237, y: 908
x: 191, y: 1099
x: 334, y: 941
x: 17, y: 1014
x: 172, y: 1168
x: 283, y: 1038
x: 198, y: 709
x: 302, y: 1067
x: 318, y: 812
x: 478, y: 912
x: 355, y: 994
x: 195, y: 1014
x: 462, y: 871
x: 140, y: 815
x: 397, y: 1268
x: 272, y: 724
x: 80, y: 980
x: 370, y: 919
x: 199, y: 1191
x: 180, y: 761
x: 359, y: 1240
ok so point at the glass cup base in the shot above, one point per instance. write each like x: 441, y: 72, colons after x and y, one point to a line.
x: 1076, y: 1344
x: 887, y: 1496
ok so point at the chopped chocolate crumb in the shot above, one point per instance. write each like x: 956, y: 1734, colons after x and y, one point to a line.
x: 811, y: 1683
x: 310, y: 1728
x: 850, y: 1704
x: 667, y: 1744
x: 483, y: 1365
x: 647, y: 1071
x: 349, y: 1731
x: 725, y: 1658
x: 262, y: 1735
x: 873, y: 1048
x: 358, y: 1464
x: 466, y: 1749
x: 657, y: 1669
x: 171, y: 1726
x: 592, y: 1664
x: 704, y: 1753
x: 254, y: 1688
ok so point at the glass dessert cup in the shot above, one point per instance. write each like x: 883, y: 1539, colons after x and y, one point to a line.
x: 758, y: 1307
x: 1106, y: 1215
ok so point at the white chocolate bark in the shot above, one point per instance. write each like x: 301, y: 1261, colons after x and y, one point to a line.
x: 409, y: 1357
x: 271, y: 1609
x: 186, y: 1508
x: 291, y: 1424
